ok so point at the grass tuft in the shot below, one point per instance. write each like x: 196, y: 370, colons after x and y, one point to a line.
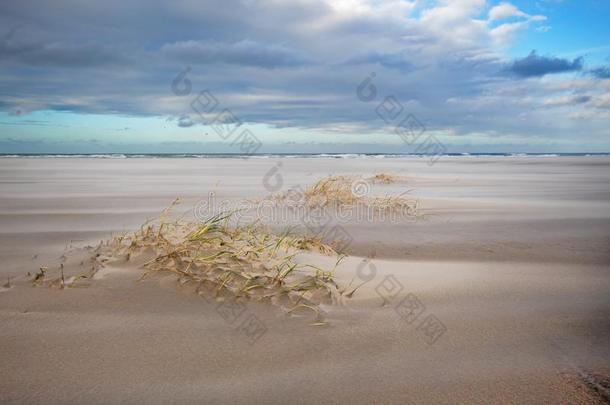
x: 229, y: 261
x: 338, y: 192
x: 384, y: 178
x: 226, y: 260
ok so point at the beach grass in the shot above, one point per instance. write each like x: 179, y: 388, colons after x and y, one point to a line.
x: 226, y: 260
x: 339, y: 191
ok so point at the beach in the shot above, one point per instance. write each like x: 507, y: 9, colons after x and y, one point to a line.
x: 508, y: 263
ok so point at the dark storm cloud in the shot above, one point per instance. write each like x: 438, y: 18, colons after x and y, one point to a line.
x: 246, y: 52
x: 536, y: 65
x: 185, y: 122
x: 60, y: 54
x: 396, y: 61
x: 581, y: 99
x: 601, y: 72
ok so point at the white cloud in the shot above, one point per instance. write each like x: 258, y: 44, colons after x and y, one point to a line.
x: 505, y: 10
x: 602, y: 101
x: 505, y: 33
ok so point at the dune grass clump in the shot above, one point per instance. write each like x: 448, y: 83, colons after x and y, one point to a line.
x: 240, y: 262
x: 232, y: 262
x: 333, y: 190
x: 351, y: 191
x: 384, y: 178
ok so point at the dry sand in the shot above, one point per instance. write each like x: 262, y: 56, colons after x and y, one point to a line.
x: 512, y: 257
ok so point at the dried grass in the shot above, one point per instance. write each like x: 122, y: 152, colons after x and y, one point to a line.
x: 338, y: 191
x: 333, y: 190
x: 231, y: 262
x: 226, y: 260
x: 384, y: 178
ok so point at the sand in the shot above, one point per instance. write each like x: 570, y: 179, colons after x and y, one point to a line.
x: 510, y: 261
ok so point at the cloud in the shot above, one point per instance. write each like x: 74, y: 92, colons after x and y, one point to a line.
x: 63, y: 55
x: 293, y: 65
x: 245, y: 52
x: 505, y: 33
x: 398, y: 61
x: 602, y: 72
x: 602, y: 101
x: 59, y: 53
x: 505, y: 10
x: 535, y: 65
x: 185, y: 122
x: 567, y: 100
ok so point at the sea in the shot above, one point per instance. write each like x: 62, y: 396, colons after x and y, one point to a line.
x: 279, y: 155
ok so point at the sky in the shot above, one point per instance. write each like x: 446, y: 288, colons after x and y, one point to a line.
x: 301, y: 76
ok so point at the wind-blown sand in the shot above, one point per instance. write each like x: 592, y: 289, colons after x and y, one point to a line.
x: 512, y: 256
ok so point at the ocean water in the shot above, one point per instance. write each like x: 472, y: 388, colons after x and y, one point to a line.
x: 280, y: 155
